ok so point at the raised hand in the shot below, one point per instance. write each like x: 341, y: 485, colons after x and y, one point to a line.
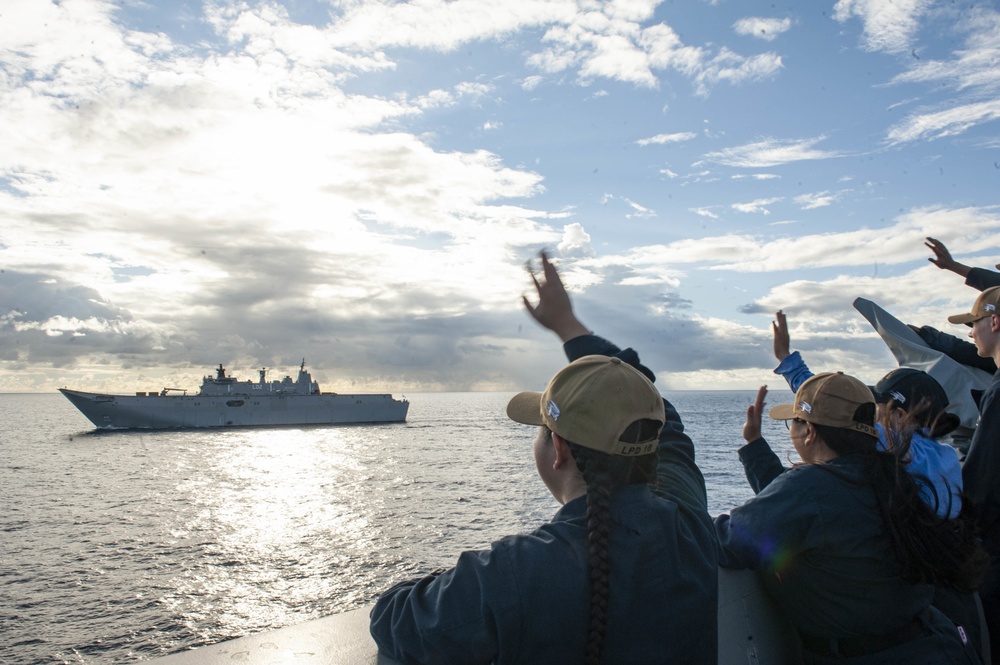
x: 554, y: 309
x: 942, y: 258
x: 782, y: 342
x: 752, y: 426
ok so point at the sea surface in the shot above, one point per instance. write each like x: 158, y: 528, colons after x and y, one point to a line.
x: 117, y: 547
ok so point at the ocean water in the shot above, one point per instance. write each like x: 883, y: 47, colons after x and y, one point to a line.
x: 117, y: 547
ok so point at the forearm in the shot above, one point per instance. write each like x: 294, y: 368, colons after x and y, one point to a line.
x: 760, y: 464
x: 981, y: 279
x: 794, y: 370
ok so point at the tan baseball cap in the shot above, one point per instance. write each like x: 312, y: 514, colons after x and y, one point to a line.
x: 591, y: 402
x: 986, y: 304
x: 831, y: 399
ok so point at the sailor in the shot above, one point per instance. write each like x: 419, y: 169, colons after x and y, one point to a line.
x: 622, y: 573
x: 842, y: 541
x: 982, y: 464
x: 905, y: 396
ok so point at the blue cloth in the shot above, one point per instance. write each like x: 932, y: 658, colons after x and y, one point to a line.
x: 526, y: 598
x: 816, y: 537
x: 935, y: 465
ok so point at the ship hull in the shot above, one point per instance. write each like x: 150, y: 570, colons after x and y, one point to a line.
x: 176, y: 411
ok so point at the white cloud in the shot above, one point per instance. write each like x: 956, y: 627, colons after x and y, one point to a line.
x: 961, y: 229
x: 767, y: 29
x: 575, y: 242
x: 941, y: 124
x: 704, y: 212
x: 755, y: 176
x: 771, y: 152
x: 661, y: 139
x: 641, y: 212
x: 888, y: 26
x: 759, y: 205
x: 531, y: 82
x: 816, y: 200
x: 972, y: 73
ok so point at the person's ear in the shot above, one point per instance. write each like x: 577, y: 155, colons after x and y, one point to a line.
x: 810, y: 437
x: 994, y: 323
x: 563, y: 453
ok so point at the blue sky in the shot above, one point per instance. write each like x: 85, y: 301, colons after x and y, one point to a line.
x: 360, y: 183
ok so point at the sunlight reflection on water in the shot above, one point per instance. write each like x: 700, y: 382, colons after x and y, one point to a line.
x: 127, y: 545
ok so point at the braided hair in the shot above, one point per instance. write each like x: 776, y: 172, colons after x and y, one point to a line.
x: 605, y: 474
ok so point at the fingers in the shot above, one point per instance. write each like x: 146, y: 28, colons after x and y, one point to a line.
x: 759, y: 402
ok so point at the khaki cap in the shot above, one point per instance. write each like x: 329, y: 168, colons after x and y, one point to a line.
x: 831, y: 399
x: 986, y: 304
x: 591, y: 402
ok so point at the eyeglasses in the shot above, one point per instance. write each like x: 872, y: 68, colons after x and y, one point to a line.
x: 788, y: 422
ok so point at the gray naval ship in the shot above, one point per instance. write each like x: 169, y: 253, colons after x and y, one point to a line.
x: 223, y: 401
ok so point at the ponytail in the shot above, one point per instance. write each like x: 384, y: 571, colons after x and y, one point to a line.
x: 928, y: 548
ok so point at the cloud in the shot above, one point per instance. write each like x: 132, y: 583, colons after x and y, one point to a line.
x: 531, y: 82
x: 767, y: 29
x: 899, y: 242
x: 816, y: 200
x: 771, y: 152
x: 641, y: 212
x: 606, y: 42
x: 757, y: 206
x: 973, y: 75
x: 575, y: 242
x: 941, y: 124
x: 888, y: 26
x: 704, y: 212
x: 755, y: 176
x: 661, y: 139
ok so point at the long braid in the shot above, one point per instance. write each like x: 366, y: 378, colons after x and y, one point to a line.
x: 598, y: 561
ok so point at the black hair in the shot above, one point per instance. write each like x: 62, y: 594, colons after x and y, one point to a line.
x: 923, y: 414
x: 929, y: 549
x: 605, y: 474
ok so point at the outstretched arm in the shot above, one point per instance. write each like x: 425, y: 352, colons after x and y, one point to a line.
x: 554, y: 310
x: 942, y: 258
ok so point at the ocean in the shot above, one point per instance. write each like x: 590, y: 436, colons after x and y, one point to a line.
x: 117, y: 547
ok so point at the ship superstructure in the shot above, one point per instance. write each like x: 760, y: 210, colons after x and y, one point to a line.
x: 225, y: 401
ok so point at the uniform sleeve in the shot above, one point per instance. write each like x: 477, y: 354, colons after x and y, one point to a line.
x: 767, y: 532
x: 453, y: 617
x: 794, y: 370
x: 982, y: 279
x: 760, y: 464
x: 982, y: 465
x: 678, y: 476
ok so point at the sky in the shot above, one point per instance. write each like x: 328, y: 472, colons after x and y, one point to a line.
x: 360, y: 183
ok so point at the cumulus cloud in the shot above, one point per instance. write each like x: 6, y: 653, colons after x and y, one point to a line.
x: 575, y: 242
